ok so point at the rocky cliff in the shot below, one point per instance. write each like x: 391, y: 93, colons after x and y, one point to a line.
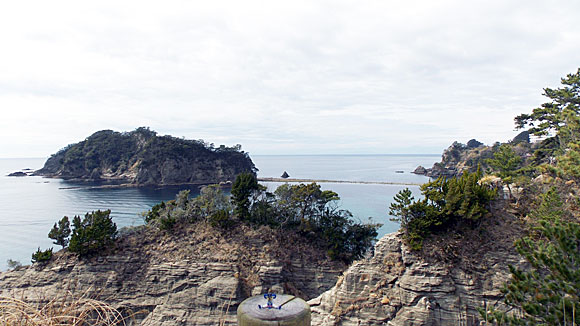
x: 141, y: 157
x: 396, y: 286
x: 196, y: 276
x: 199, y: 276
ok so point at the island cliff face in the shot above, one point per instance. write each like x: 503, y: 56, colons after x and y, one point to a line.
x: 141, y: 157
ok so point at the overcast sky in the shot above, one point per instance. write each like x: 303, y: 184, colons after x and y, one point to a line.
x: 291, y: 77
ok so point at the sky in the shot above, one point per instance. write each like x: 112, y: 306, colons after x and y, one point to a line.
x: 280, y: 77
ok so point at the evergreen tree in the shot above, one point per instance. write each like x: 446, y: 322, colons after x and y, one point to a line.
x: 399, y: 209
x: 548, y: 293
x: 559, y: 118
x: 60, y: 233
x: 242, y: 188
x: 506, y: 162
x: 41, y: 256
x: 95, y: 232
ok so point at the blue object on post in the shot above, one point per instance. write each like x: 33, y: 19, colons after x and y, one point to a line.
x: 270, y: 305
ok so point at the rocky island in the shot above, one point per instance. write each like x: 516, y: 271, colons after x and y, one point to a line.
x: 141, y: 157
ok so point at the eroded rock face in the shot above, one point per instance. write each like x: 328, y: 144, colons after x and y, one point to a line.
x: 195, y: 277
x: 396, y: 287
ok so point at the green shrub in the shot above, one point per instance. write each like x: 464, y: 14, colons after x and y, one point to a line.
x: 221, y: 219
x: 94, y: 233
x: 445, y: 202
x: 154, y: 212
x: 41, y: 256
x: 345, y: 240
x: 548, y: 292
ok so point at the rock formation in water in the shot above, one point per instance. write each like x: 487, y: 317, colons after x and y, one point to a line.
x: 141, y: 157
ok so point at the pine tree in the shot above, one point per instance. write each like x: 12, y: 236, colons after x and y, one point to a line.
x: 559, y: 118
x: 95, y: 232
x: 548, y: 293
x: 242, y: 189
x: 60, y: 233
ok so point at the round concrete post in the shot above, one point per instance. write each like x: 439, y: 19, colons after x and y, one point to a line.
x: 287, y: 310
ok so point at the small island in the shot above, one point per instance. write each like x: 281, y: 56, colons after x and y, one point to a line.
x: 143, y: 158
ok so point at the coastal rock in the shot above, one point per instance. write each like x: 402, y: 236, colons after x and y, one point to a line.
x: 395, y: 286
x: 284, y: 175
x: 420, y: 170
x: 18, y: 174
x: 195, y: 277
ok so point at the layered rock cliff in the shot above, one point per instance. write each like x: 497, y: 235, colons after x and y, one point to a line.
x: 141, y: 157
x: 396, y: 286
x: 195, y: 276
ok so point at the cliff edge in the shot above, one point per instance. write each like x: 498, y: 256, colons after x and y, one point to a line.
x: 197, y: 276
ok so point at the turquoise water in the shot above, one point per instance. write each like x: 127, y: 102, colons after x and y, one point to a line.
x: 31, y: 205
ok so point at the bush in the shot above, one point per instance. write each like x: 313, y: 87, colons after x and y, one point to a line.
x: 345, y: 240
x: 93, y: 234
x: 445, y: 202
x: 547, y: 293
x: 221, y: 219
x: 13, y: 264
x: 41, y: 256
x: 303, y: 207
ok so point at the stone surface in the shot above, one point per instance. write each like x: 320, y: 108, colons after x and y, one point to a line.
x: 397, y: 287
x: 195, y: 277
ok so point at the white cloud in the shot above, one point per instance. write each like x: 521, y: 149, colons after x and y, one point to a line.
x: 280, y: 77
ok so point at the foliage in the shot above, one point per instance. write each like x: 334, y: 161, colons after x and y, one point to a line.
x: 41, y: 256
x: 303, y: 204
x: 60, y: 232
x: 445, y: 202
x: 313, y: 212
x: 13, y: 264
x: 305, y: 208
x: 549, y: 293
x: 154, y: 212
x: 94, y: 233
x: 568, y: 165
x: 506, y: 162
x: 221, y: 219
x: 345, y: 240
x: 210, y: 201
x: 118, y: 153
x: 559, y: 118
x: 400, y: 207
x: 242, y: 188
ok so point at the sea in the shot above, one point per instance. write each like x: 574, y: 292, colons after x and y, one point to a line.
x: 29, y: 206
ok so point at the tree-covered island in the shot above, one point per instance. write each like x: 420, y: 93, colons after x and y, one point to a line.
x: 141, y: 157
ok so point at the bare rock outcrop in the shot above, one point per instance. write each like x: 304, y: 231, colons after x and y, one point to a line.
x: 395, y: 286
x: 196, y: 276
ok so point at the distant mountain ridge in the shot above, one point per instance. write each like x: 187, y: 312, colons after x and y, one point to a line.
x: 141, y: 157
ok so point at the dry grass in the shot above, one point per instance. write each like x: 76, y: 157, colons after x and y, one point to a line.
x: 65, y: 309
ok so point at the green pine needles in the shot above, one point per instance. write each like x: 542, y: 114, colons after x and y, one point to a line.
x: 548, y: 293
x: 445, y: 202
x: 95, y: 232
x: 90, y: 235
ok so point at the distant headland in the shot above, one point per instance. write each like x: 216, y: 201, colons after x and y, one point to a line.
x: 141, y: 158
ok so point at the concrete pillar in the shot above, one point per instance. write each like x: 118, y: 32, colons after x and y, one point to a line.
x: 292, y: 311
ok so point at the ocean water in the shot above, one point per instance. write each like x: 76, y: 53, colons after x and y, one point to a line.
x: 29, y: 206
